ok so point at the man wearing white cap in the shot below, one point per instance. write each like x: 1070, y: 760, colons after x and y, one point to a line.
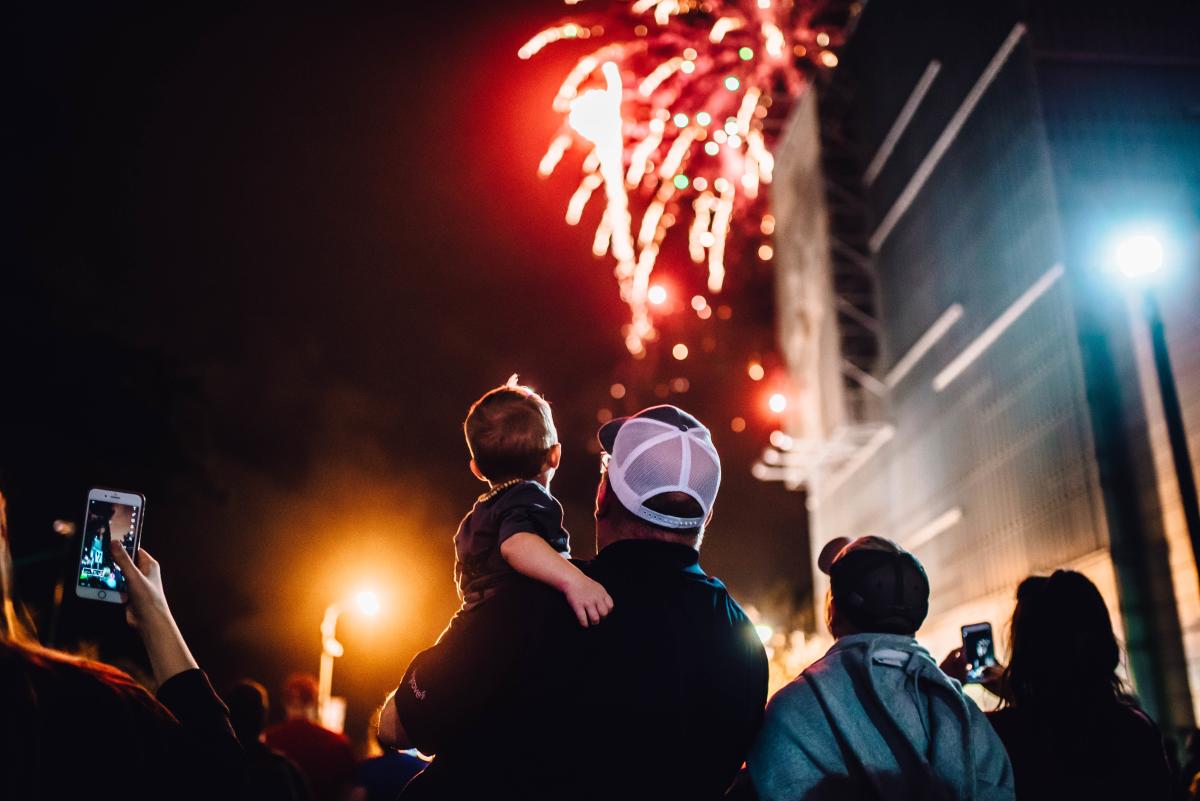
x: 662, y: 699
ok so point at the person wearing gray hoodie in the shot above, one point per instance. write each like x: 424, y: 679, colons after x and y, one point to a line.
x: 875, y: 718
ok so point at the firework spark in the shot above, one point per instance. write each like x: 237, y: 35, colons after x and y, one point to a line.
x: 671, y: 113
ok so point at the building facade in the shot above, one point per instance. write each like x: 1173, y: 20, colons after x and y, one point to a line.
x: 971, y: 380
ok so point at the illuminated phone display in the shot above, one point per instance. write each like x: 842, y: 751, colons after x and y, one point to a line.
x: 979, y: 650
x: 111, y: 516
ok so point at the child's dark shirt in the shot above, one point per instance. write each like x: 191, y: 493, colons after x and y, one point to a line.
x: 479, y: 567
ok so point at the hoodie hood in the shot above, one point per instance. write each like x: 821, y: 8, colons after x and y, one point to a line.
x: 917, y: 722
x: 876, y: 718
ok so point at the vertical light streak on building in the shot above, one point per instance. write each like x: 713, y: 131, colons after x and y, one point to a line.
x: 993, y: 332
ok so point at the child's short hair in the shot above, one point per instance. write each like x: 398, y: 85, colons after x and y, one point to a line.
x: 509, y: 432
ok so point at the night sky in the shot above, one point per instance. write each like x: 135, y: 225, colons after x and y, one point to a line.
x: 265, y: 258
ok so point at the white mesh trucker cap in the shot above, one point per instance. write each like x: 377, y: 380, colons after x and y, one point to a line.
x: 661, y: 449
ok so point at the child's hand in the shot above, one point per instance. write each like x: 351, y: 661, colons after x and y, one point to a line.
x: 589, y: 600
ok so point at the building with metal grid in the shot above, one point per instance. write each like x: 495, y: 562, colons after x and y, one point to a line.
x: 968, y: 377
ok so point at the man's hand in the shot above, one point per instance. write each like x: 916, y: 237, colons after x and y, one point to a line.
x: 588, y: 599
x: 391, y: 731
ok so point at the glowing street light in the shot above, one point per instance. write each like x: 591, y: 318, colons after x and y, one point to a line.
x: 367, y: 603
x: 1137, y: 256
x: 777, y: 403
x: 657, y: 294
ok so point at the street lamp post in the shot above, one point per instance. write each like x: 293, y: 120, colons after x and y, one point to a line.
x: 1173, y: 416
x: 1138, y: 256
x: 331, y: 649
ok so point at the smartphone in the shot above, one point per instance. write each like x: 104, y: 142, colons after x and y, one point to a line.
x: 979, y: 651
x: 111, y: 515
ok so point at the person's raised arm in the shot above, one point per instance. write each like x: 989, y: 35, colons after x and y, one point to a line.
x: 532, y: 556
x: 202, y: 750
x: 147, y: 611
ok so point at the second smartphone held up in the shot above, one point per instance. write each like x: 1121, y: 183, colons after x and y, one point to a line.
x: 979, y: 651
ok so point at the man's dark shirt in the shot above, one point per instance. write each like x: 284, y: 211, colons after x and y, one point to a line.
x: 661, y: 700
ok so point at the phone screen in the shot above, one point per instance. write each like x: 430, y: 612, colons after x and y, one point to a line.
x: 979, y: 651
x: 106, y: 521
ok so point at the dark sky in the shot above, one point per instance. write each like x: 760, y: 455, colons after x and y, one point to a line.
x: 265, y: 258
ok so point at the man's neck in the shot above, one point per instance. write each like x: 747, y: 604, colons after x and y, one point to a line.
x: 607, y: 536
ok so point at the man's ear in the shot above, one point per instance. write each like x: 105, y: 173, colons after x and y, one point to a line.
x: 475, y: 471
x: 602, y: 498
x: 553, y: 457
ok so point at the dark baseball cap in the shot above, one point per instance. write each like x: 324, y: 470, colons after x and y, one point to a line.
x: 876, y: 584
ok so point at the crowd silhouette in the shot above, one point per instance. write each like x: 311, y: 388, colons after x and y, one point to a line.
x: 661, y: 694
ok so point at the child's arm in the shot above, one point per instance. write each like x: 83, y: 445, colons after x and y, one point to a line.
x: 532, y: 556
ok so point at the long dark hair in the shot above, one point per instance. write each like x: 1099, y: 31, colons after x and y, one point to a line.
x: 14, y: 622
x: 1064, y: 652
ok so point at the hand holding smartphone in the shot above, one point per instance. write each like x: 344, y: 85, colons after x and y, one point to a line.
x: 111, y: 515
x: 979, y: 651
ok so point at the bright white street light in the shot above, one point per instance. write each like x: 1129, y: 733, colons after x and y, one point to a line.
x: 1138, y: 255
x: 765, y: 632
